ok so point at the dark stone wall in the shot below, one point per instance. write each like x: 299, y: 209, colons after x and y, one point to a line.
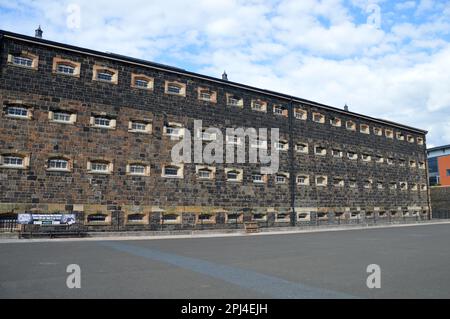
x: 38, y: 188
x: 440, y: 201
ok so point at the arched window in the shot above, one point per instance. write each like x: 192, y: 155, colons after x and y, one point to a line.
x: 105, y: 74
x: 175, y: 88
x: 65, y: 68
x: 172, y: 171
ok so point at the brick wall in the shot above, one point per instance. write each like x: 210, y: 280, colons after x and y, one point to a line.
x: 440, y: 201
x: 118, y: 194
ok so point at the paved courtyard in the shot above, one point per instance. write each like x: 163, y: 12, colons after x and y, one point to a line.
x: 414, y: 263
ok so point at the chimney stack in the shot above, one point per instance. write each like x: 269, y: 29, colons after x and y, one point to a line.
x: 346, y: 107
x: 38, y: 32
x: 225, y: 76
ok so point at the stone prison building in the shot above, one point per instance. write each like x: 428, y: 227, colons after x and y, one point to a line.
x: 91, y: 133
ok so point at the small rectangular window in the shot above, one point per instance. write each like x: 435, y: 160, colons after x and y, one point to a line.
x: 204, y: 173
x: 364, y: 129
x: 234, y: 100
x: 102, y: 121
x: 303, y: 180
x: 321, y: 180
x: 58, y: 164
x: 258, y: 105
x: 174, y: 89
x: 352, y: 155
x: 137, y: 126
x: 300, y: 114
x: 338, y: 182
x: 377, y: 131
x: 389, y: 133
x: 319, y: 150
x: 301, y: 148
x: 318, y: 118
x: 99, y: 167
x: 23, y: 61
x: 61, y: 116
x: 17, y: 111
x: 419, y: 141
x: 137, y: 169
x: 336, y: 153
x: 104, y: 76
x: 336, y: 122
x: 257, y: 178
x: 171, y: 171
x: 280, y: 179
x: 13, y: 161
x: 350, y: 125
x: 281, y: 146
x: 65, y: 69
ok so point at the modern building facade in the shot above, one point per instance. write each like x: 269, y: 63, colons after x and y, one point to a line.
x: 91, y: 133
x: 439, y: 165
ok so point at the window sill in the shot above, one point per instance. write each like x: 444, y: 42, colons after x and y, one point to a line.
x: 282, y: 221
x: 76, y: 76
x: 103, y: 127
x: 105, y: 81
x: 166, y: 222
x: 97, y: 223
x: 62, y: 122
x: 137, y: 175
x: 209, y: 222
x: 139, y: 132
x: 18, y: 117
x: 175, y: 94
x: 137, y: 223
x: 23, y: 66
x: 100, y: 173
x: 58, y: 170
x: 172, y: 177
x: 141, y: 88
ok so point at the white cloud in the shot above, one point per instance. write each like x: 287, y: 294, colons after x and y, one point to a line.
x: 406, y: 5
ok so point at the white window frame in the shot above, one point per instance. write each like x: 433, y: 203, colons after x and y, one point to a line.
x: 324, y: 183
x: 58, y: 161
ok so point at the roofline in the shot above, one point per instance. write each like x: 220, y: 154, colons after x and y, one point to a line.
x: 438, y: 148
x: 170, y: 69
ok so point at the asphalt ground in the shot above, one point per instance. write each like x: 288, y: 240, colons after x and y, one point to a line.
x: 414, y: 263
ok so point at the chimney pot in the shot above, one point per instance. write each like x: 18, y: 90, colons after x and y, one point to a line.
x: 225, y: 76
x: 38, y: 32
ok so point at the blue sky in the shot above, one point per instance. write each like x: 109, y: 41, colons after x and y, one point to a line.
x: 387, y: 59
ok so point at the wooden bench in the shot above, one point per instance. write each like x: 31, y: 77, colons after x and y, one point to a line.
x: 251, y: 227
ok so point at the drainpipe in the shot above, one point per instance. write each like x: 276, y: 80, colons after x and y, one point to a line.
x: 291, y: 162
x: 427, y: 183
